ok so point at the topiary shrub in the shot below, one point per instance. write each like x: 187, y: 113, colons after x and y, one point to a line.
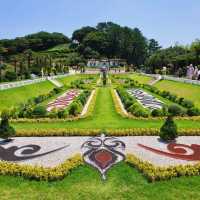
x: 157, y: 112
x: 187, y: 103
x: 6, y: 130
x: 175, y: 110
x: 140, y: 112
x: 169, y: 131
x: 74, y: 109
x: 39, y: 111
x: 193, y: 111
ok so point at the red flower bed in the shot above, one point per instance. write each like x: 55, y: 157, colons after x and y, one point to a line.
x: 63, y: 101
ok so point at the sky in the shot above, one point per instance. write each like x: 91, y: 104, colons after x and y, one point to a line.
x: 167, y: 21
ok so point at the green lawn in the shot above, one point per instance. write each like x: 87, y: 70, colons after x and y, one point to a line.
x: 135, y: 76
x: 140, y: 78
x: 15, y: 96
x: 188, y: 91
x: 68, y: 79
x: 84, y: 183
x: 105, y: 116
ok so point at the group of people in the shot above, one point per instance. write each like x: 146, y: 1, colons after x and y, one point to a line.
x: 193, y: 72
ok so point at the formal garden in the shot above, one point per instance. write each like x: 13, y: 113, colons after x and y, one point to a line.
x: 106, y: 113
x: 99, y: 133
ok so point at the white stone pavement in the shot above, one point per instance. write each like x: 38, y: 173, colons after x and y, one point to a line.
x: 72, y: 146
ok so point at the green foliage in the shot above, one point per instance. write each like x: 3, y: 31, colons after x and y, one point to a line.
x: 37, y: 42
x: 10, y: 76
x: 157, y: 113
x: 169, y: 130
x: 131, y: 104
x: 6, y: 130
x: 74, y: 109
x: 111, y: 40
x: 39, y: 111
x: 175, y: 110
x: 193, y: 111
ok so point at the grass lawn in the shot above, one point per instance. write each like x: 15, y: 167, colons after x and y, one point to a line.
x: 105, y: 116
x: 135, y: 76
x: 140, y: 78
x: 124, y: 182
x: 188, y: 91
x: 68, y: 79
x: 15, y: 96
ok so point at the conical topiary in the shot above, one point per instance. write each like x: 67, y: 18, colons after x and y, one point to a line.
x: 169, y: 130
x: 6, y: 130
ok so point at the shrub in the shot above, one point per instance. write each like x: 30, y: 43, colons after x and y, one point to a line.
x: 74, y: 109
x: 169, y: 130
x: 157, y: 112
x: 140, y: 112
x: 193, y: 111
x: 6, y: 130
x: 39, y: 111
x: 175, y: 110
x: 10, y: 76
x: 187, y: 103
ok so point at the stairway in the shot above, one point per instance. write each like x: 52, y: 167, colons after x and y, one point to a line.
x: 55, y: 82
x: 157, y: 79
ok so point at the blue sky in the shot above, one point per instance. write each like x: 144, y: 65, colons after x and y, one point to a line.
x: 168, y: 21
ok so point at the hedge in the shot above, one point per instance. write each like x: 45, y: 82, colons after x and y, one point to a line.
x: 154, y: 173
x: 55, y: 120
x: 96, y: 132
x: 120, y: 111
x: 41, y: 173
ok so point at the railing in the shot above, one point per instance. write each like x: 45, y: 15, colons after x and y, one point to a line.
x: 171, y: 78
x: 16, y: 84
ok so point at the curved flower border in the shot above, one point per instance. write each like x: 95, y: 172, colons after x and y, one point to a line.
x: 41, y: 173
x: 154, y: 173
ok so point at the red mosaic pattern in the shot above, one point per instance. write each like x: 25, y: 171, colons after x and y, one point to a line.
x: 178, y: 151
x: 103, y: 158
x: 103, y: 152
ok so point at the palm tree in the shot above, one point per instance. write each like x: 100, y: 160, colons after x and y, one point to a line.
x: 28, y: 54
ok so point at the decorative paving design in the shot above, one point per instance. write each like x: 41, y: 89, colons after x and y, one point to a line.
x: 147, y: 100
x: 103, y: 152
x: 178, y: 151
x: 63, y: 101
x: 25, y: 152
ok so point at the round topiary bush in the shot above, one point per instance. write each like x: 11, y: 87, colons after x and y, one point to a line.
x: 169, y: 131
x: 6, y: 130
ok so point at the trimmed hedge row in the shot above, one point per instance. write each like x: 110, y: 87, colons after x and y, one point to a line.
x: 191, y: 110
x: 27, y: 109
x: 55, y: 120
x: 120, y: 111
x: 41, y: 173
x: 153, y: 173
x: 131, y: 105
x: 96, y: 132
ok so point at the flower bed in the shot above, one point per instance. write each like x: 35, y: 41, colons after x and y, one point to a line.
x: 40, y: 173
x: 153, y: 173
x: 147, y: 100
x: 63, y: 101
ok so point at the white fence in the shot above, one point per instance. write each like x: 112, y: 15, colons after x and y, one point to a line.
x: 184, y: 80
x: 6, y: 86
x: 171, y: 78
